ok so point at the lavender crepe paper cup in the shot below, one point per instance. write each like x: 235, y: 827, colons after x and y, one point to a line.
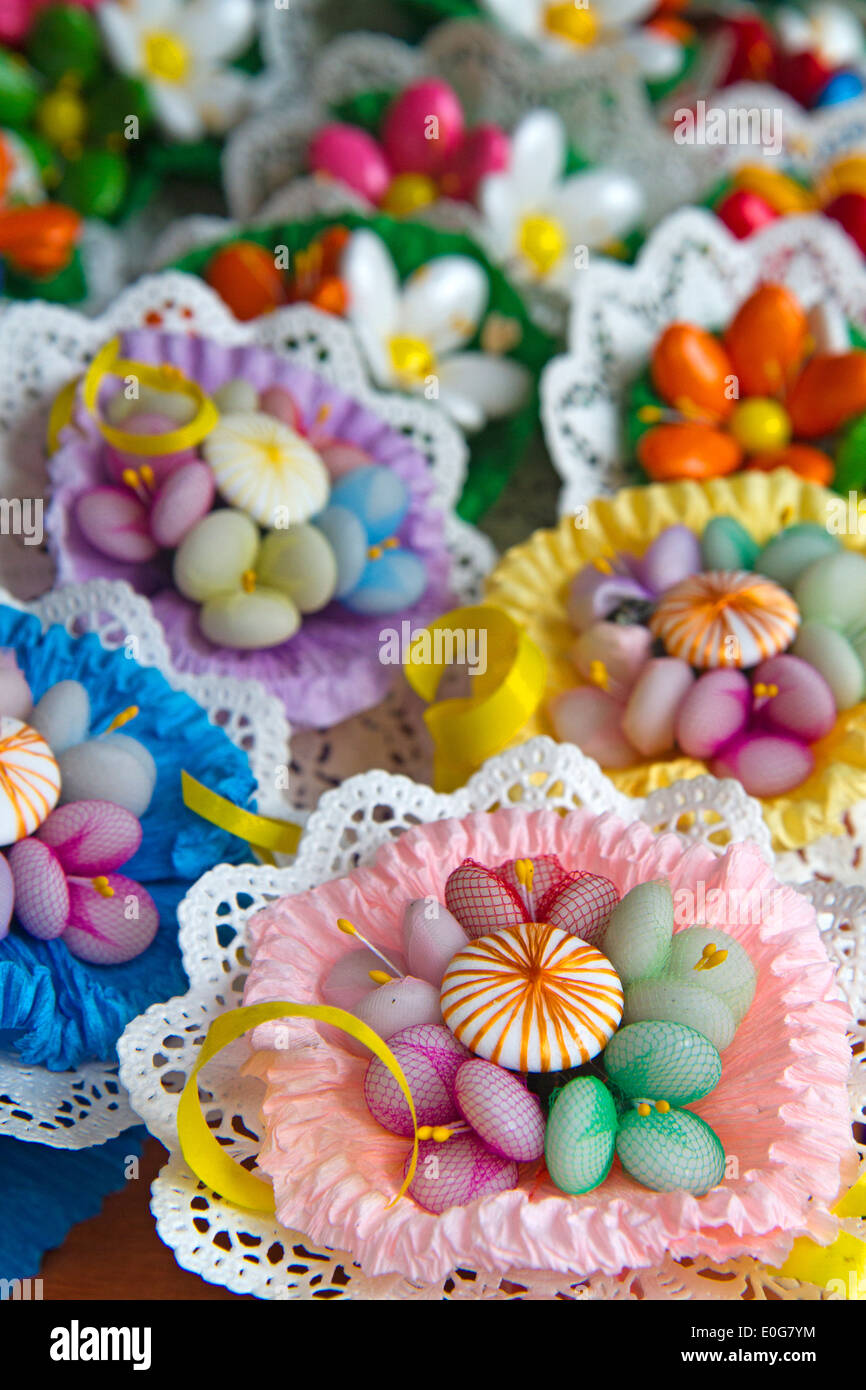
x: 330, y: 670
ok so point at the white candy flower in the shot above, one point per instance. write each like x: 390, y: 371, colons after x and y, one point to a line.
x: 566, y: 21
x: 829, y: 31
x: 561, y: 24
x: 180, y: 50
x: 412, y: 336
x: 537, y: 218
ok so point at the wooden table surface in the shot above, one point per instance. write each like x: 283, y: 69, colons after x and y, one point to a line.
x: 118, y: 1254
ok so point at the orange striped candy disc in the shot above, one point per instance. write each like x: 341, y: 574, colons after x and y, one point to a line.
x: 725, y: 618
x: 532, y: 998
x: 29, y: 780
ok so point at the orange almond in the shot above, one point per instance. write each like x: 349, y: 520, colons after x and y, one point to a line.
x: 828, y: 392
x: 690, y: 369
x: 669, y: 452
x: 766, y: 340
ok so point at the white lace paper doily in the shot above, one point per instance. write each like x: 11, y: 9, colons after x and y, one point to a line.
x: 254, y: 1254
x: 43, y: 346
x: 690, y: 269
x: 293, y: 35
x: 74, y: 1109
x: 600, y: 96
x: 765, y: 125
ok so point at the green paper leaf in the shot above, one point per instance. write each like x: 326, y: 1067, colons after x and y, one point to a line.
x: 851, y: 459
x: 858, y: 338
x: 113, y: 103
x: 95, y: 184
x: 640, y: 395
x: 68, y: 286
x: 65, y: 41
x: 366, y: 109
x: 453, y: 9
x: 20, y: 90
x: 198, y: 159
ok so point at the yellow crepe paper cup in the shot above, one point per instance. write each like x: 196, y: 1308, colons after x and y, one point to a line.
x: 531, y: 584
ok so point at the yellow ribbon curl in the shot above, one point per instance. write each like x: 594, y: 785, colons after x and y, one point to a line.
x: 202, y: 1151
x: 468, y: 730
x: 61, y: 413
x: 264, y: 834
x: 108, y: 362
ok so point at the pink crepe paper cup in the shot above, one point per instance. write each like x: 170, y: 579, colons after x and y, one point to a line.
x: 781, y: 1108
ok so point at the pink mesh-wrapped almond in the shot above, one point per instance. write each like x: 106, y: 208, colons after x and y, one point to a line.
x: 430, y: 1057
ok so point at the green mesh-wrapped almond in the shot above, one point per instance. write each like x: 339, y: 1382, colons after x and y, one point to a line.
x: 732, y: 979
x: 581, y: 1134
x: 673, y: 1001
x: 637, y: 941
x: 659, y: 1060
x: 670, y: 1152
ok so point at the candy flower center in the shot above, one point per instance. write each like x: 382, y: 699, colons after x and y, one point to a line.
x: 574, y: 22
x: 166, y: 57
x: 407, y: 192
x: 62, y: 117
x: 125, y: 717
x: 760, y: 424
x: 375, y: 552
x: 541, y: 241
x: 100, y: 884
x: 711, y: 956
x: 413, y: 359
x: 141, y: 480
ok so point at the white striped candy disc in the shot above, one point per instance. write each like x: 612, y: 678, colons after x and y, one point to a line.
x: 725, y: 618
x: 532, y: 998
x: 29, y: 780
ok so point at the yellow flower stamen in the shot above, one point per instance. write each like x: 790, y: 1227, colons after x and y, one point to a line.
x: 413, y: 359
x: 123, y: 718
x: 542, y: 242
x: 598, y: 674
x: 166, y: 57
x: 711, y: 956
x: 577, y: 23
x: 408, y: 192
x: 525, y: 871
